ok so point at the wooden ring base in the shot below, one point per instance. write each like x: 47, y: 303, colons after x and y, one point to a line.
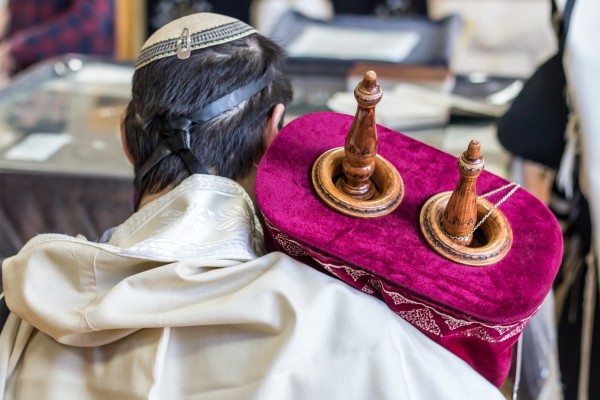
x: 491, y: 242
x: 389, y: 187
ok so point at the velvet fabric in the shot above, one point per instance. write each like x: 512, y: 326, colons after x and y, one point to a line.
x: 475, y: 312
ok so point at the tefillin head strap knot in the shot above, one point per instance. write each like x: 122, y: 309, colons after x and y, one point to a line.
x: 179, y: 142
x: 175, y: 140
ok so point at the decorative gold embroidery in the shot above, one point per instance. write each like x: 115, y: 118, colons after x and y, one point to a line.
x: 421, y: 315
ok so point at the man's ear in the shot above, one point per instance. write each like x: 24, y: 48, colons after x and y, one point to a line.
x: 272, y: 127
x: 123, y: 142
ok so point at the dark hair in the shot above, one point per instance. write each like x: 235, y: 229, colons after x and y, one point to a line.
x: 170, y: 88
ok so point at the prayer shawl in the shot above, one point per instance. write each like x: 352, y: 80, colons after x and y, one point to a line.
x: 582, y: 64
x: 180, y: 304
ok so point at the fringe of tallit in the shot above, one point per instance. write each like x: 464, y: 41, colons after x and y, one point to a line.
x: 587, y: 329
x: 571, y: 266
x: 519, y: 363
x: 564, y: 177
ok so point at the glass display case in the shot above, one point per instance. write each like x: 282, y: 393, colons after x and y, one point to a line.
x: 62, y: 116
x: 62, y: 169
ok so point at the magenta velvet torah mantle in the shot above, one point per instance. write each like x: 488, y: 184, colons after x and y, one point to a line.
x: 477, y: 313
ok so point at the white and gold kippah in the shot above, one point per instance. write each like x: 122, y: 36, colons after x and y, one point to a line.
x: 196, y: 31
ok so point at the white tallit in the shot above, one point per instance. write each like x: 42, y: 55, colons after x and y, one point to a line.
x: 179, y: 305
x: 582, y: 69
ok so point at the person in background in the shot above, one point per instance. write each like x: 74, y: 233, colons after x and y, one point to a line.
x: 554, y: 126
x: 181, y: 301
x: 580, y: 334
x: 33, y: 30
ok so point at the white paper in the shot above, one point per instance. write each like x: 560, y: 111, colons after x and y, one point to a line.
x: 94, y: 80
x: 318, y: 41
x: 105, y: 74
x: 405, y: 107
x: 38, y: 147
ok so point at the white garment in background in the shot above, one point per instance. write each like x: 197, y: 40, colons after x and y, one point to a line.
x: 179, y: 305
x: 582, y: 68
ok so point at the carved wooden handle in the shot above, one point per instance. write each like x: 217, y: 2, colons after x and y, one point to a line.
x: 460, y: 216
x: 361, y: 144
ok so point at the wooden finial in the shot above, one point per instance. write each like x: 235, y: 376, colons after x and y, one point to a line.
x: 448, y: 219
x: 361, y: 144
x: 460, y: 215
x: 354, y: 180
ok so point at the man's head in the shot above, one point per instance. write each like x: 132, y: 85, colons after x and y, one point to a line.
x: 169, y: 88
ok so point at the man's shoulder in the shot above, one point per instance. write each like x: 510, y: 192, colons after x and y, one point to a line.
x: 324, y: 290
x: 350, y: 327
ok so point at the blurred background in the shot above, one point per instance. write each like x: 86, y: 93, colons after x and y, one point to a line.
x: 451, y: 70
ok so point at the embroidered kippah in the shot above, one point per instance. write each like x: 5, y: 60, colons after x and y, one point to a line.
x: 196, y: 31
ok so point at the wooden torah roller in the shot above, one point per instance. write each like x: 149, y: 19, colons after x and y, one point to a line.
x: 461, y: 227
x: 476, y: 313
x: 355, y: 180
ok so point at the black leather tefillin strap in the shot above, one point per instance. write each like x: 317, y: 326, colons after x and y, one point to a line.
x: 177, y: 141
